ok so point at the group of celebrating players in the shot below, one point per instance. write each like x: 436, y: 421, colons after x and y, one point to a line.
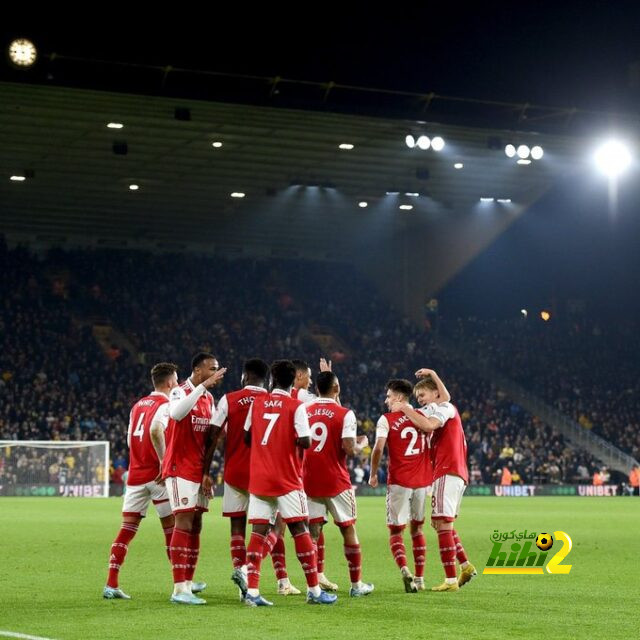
x: 285, y: 466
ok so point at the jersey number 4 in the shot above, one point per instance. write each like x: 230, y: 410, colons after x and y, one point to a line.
x: 139, y: 430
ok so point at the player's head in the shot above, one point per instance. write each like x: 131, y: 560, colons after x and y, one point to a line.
x: 203, y: 366
x: 303, y: 374
x: 426, y: 391
x: 283, y: 373
x: 164, y: 376
x: 397, y: 391
x: 255, y: 372
x: 328, y: 385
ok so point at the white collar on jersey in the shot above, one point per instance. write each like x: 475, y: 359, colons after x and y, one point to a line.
x: 254, y: 388
x: 158, y: 393
x: 327, y: 400
x: 281, y: 392
x: 190, y: 384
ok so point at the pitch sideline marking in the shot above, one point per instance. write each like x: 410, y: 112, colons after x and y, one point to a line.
x: 23, y: 636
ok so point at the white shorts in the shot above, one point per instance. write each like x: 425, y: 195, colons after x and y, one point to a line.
x: 235, y: 502
x: 342, y: 507
x: 446, y: 498
x: 404, y: 503
x: 292, y: 507
x: 137, y: 498
x: 185, y: 495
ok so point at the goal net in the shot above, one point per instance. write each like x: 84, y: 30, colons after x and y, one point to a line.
x: 54, y: 468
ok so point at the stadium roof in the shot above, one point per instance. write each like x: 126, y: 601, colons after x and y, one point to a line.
x: 77, y: 186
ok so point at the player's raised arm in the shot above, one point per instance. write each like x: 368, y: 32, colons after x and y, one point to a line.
x: 180, y: 404
x: 443, y: 393
x: 422, y: 422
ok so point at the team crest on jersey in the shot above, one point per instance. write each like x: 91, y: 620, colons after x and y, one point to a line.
x: 184, y: 500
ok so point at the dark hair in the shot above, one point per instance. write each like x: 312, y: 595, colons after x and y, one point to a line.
x: 400, y: 386
x: 161, y: 372
x: 283, y: 373
x: 300, y: 365
x: 200, y: 357
x: 325, y: 382
x: 257, y: 368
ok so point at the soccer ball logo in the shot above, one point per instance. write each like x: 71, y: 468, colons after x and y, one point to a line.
x: 544, y: 541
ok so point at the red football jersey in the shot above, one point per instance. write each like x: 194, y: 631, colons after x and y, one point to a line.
x: 186, y: 438
x: 276, y: 420
x: 448, y: 444
x: 324, y: 470
x: 408, y: 447
x: 232, y: 411
x: 144, y: 465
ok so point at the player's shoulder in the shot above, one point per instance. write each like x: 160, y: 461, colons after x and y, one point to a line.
x: 291, y: 400
x: 344, y: 413
x: 177, y: 392
x: 138, y: 402
x: 447, y: 407
x: 233, y: 395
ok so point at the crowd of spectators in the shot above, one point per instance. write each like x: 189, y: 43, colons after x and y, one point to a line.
x: 58, y: 383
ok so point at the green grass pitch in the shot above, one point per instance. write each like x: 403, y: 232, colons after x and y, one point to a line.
x: 55, y: 551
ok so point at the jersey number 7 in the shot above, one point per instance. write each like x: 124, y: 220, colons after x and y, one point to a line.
x: 272, y: 418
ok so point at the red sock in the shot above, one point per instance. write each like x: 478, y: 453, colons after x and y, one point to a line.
x: 180, y: 551
x: 320, y: 551
x: 238, y: 551
x: 194, y: 552
x: 460, y: 552
x: 278, y: 558
x: 270, y: 542
x: 168, y: 532
x: 397, y: 546
x: 447, y: 552
x: 119, y: 551
x: 307, y: 557
x: 255, y: 552
x: 354, y: 561
x: 419, y: 553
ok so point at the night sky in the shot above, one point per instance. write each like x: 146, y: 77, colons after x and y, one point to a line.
x: 557, y: 53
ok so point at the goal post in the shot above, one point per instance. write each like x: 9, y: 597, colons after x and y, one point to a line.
x: 68, y: 468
